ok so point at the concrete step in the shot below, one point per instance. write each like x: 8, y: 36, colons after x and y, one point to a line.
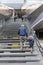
x: 19, y: 59
x: 6, y: 54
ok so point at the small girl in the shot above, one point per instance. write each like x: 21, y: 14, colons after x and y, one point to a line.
x: 30, y: 39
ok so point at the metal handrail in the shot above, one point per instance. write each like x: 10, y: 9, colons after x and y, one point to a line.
x: 38, y: 44
x: 38, y: 41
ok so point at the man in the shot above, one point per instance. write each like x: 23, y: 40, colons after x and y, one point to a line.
x: 22, y: 32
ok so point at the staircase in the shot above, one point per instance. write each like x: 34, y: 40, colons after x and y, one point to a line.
x: 20, y: 57
x: 16, y: 56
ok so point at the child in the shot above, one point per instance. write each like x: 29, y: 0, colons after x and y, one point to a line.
x: 30, y: 39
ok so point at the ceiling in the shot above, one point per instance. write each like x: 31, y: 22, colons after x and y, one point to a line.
x: 39, y: 26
